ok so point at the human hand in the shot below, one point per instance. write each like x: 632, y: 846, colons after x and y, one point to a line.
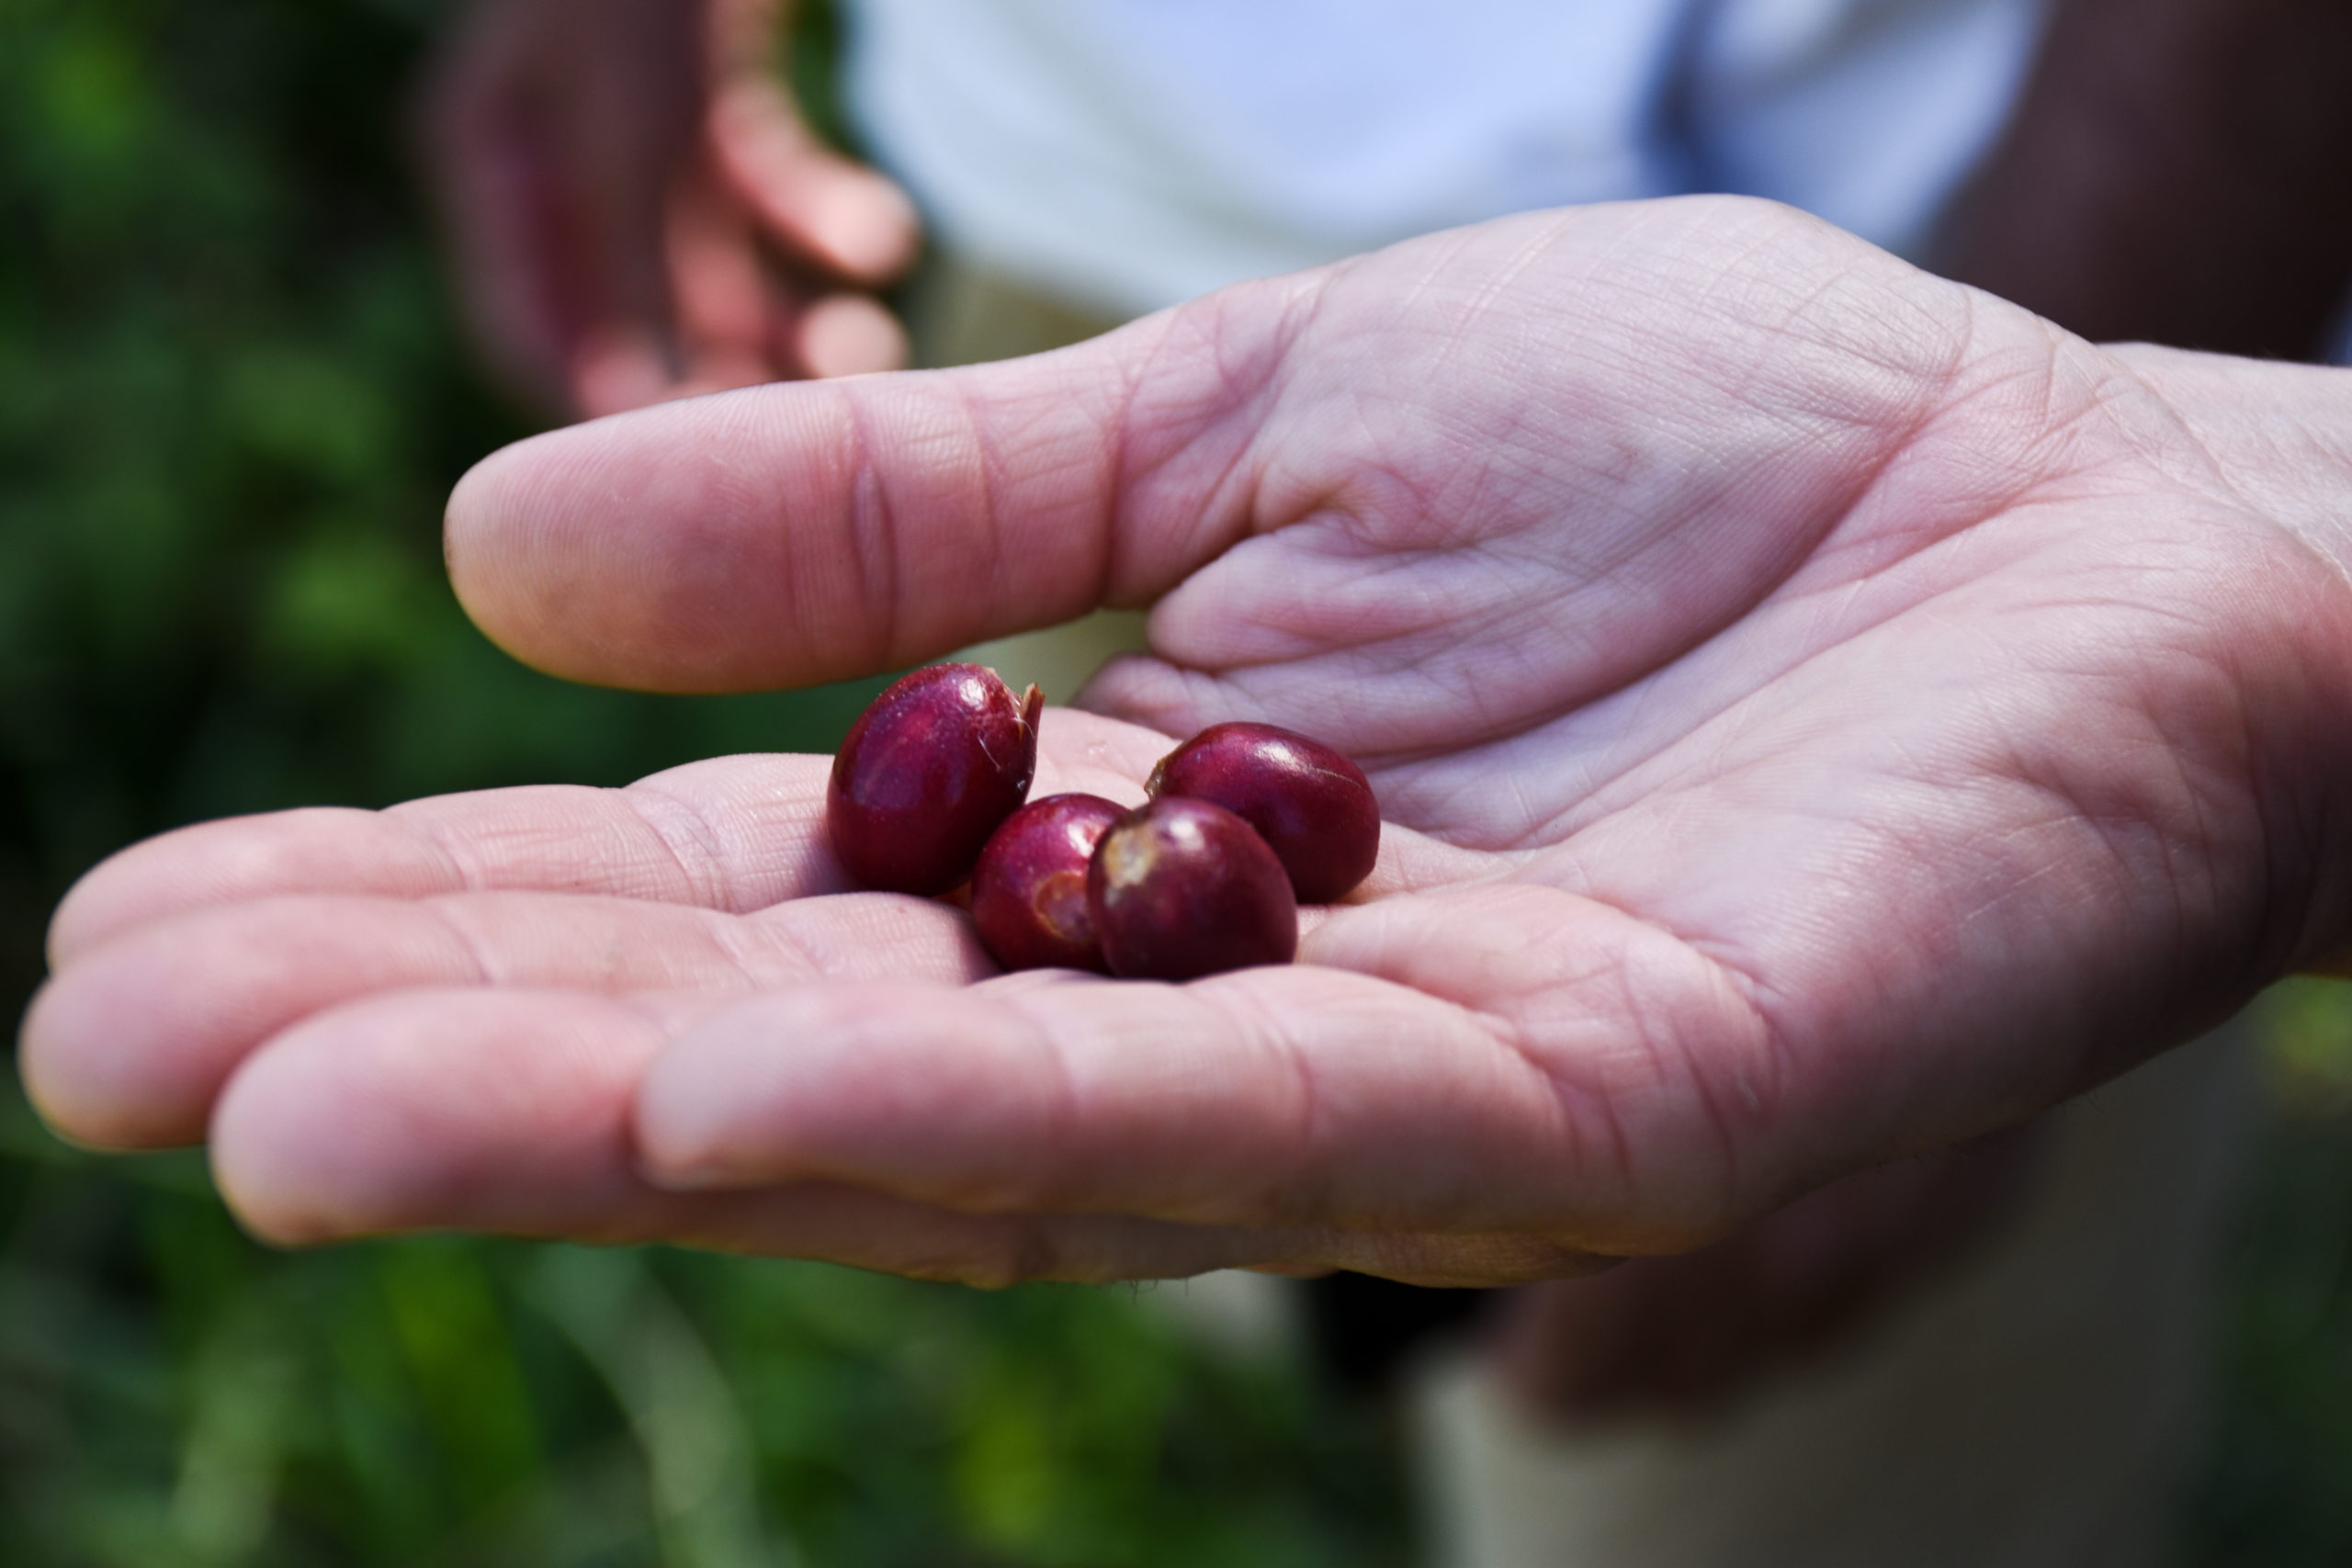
x: 635, y: 210
x: 1824, y: 714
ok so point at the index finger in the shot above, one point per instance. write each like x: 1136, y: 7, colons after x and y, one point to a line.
x: 733, y: 834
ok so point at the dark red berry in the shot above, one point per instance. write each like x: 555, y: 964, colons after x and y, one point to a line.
x: 1311, y: 805
x: 927, y: 772
x: 1183, y: 887
x: 1029, y: 890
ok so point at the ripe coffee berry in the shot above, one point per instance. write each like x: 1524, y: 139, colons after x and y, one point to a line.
x: 1312, y: 805
x: 1029, y: 890
x: 927, y: 772
x: 1181, y: 888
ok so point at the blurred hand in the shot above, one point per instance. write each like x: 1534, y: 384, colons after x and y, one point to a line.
x: 637, y: 212
x: 1825, y: 715
x: 2168, y: 175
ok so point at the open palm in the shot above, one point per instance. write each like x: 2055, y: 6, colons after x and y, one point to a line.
x: 1823, y: 714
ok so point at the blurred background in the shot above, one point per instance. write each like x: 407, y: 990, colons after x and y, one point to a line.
x: 232, y: 399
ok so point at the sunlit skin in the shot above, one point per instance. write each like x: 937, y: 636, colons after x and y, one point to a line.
x: 1821, y: 713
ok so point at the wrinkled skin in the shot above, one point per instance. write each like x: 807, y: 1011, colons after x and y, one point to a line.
x: 1822, y: 714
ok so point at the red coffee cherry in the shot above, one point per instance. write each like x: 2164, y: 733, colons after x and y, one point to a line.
x: 928, y: 770
x: 1029, y: 890
x: 1312, y: 805
x: 1181, y: 888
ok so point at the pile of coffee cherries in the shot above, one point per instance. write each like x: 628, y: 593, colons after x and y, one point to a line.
x: 1245, y: 822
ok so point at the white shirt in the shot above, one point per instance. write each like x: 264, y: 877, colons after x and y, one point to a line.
x: 1130, y: 153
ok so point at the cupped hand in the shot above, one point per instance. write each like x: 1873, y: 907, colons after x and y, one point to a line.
x: 635, y: 210
x: 1823, y: 713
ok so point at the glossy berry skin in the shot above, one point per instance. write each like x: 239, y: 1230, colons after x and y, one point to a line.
x: 926, y: 774
x: 1312, y: 805
x: 1029, y: 890
x: 1181, y: 888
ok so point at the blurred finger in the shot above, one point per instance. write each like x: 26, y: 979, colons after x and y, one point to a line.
x: 128, y: 1048
x: 727, y: 319
x: 845, y: 217
x: 848, y: 335
x: 615, y: 368
x: 491, y: 177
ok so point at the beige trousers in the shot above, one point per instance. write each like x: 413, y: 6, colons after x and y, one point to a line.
x: 2036, y: 1410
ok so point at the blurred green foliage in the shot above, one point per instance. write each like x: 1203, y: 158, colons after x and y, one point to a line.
x: 231, y: 401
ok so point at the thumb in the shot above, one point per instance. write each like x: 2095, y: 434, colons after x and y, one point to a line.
x: 795, y: 533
